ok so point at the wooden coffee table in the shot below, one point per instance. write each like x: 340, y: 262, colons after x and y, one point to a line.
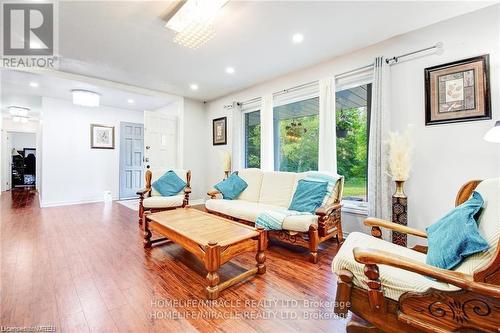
x: 214, y: 240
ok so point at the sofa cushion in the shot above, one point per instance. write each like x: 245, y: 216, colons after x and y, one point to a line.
x: 455, y: 236
x: 394, y: 281
x: 277, y: 188
x: 308, y: 196
x: 249, y: 211
x: 163, y: 202
x: 253, y: 177
x: 231, y: 187
x: 169, y: 184
x: 245, y: 210
x: 157, y: 173
x: 488, y: 225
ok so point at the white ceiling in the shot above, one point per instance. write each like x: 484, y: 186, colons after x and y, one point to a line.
x: 16, y: 90
x: 127, y: 42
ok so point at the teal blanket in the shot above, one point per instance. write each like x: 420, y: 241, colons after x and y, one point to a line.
x: 273, y: 219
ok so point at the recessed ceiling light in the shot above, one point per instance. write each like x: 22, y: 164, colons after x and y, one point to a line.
x: 230, y: 70
x: 297, y: 38
x: 130, y: 101
x: 193, y: 86
x: 85, y: 98
x: 34, y: 84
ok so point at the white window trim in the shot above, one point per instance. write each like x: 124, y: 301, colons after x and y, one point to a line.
x: 244, y: 111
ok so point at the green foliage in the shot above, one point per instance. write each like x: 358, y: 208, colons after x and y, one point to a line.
x: 253, y: 146
x: 302, y: 154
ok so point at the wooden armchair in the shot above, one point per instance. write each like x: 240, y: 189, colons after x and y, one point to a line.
x: 151, y: 200
x: 391, y: 289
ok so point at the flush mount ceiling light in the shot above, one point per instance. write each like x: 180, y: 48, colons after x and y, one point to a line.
x: 193, y: 22
x: 230, y: 70
x: 34, y: 84
x: 297, y: 38
x: 193, y: 86
x: 130, y: 101
x: 18, y: 111
x: 85, y: 98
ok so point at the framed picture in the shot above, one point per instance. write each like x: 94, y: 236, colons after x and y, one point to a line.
x: 458, y: 91
x: 102, y: 137
x: 219, y: 131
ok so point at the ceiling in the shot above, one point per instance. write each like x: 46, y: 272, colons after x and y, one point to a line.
x: 16, y: 90
x: 126, y: 41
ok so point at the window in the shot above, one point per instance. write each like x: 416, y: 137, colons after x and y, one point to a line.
x: 296, y: 139
x: 352, y: 124
x: 252, y: 139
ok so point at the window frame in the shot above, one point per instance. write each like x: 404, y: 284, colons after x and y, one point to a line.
x: 352, y: 206
x: 250, y: 109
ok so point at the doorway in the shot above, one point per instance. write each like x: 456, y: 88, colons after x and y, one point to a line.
x: 19, y: 160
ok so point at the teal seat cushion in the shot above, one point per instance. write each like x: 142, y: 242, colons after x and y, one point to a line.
x: 169, y: 184
x: 456, y: 236
x: 231, y: 187
x: 308, y: 196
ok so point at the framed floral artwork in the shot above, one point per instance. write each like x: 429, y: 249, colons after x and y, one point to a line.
x: 458, y: 91
x: 102, y: 137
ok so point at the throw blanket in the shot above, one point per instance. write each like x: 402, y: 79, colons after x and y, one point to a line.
x: 273, y: 219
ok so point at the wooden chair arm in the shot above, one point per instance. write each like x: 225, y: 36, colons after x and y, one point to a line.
x: 213, y: 194
x: 143, y: 191
x: 377, y: 223
x: 327, y: 209
x: 373, y: 257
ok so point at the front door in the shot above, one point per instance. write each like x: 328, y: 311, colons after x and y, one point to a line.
x: 131, y: 157
x: 161, y: 141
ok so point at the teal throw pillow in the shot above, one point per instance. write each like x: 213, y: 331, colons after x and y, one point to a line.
x: 169, y: 184
x: 308, y: 196
x: 456, y: 236
x: 231, y: 187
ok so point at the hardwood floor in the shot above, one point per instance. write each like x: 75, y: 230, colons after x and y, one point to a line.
x: 82, y: 268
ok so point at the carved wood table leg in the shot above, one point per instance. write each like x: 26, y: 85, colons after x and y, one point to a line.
x: 147, y: 232
x: 212, y: 264
x: 261, y: 255
x: 313, y: 243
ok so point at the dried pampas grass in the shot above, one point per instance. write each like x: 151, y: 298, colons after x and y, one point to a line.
x: 400, y: 147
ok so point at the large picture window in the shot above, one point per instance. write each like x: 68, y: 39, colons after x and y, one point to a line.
x: 352, y: 124
x: 296, y: 139
x: 252, y: 139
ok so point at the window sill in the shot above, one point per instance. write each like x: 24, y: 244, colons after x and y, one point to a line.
x: 355, y: 208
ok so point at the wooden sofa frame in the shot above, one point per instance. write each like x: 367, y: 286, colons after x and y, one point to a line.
x: 473, y: 308
x: 146, y: 192
x: 329, y: 226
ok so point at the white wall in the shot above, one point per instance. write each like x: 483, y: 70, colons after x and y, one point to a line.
x: 445, y: 156
x: 71, y: 171
x: 21, y: 140
x: 195, y: 157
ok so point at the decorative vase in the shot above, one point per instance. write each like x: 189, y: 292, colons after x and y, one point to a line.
x: 399, y: 213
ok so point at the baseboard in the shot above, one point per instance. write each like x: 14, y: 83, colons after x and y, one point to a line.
x: 68, y: 203
x: 197, y: 202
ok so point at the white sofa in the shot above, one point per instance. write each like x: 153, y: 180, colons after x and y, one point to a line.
x: 152, y: 200
x: 270, y: 190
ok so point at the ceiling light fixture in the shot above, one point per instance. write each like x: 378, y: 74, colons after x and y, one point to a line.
x: 33, y: 84
x: 85, y: 98
x: 193, y: 86
x: 230, y: 70
x: 297, y: 38
x: 18, y: 111
x: 193, y: 22
x: 130, y: 101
